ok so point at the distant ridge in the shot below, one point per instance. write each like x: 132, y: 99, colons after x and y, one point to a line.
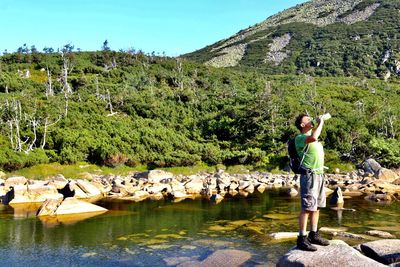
x: 320, y: 37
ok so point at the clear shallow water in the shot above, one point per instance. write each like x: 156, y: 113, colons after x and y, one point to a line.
x: 158, y: 233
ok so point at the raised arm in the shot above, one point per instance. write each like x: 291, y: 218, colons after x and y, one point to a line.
x: 316, y: 132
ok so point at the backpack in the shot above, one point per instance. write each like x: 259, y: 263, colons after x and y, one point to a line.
x: 294, y: 160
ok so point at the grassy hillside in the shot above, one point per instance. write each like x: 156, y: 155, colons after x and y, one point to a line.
x: 115, y: 108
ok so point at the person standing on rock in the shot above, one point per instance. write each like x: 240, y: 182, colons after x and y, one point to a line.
x: 312, y: 191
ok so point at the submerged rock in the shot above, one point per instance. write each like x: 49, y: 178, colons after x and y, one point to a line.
x: 380, y: 234
x: 221, y: 258
x: 338, y: 253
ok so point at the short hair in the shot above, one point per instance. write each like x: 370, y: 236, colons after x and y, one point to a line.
x: 298, y: 121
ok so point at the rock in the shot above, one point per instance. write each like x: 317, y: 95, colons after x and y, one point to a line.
x: 194, y: 187
x: 386, y: 251
x: 380, y: 234
x: 328, y: 191
x: 15, y: 180
x: 102, y: 185
x: 217, y: 198
x: 284, y: 235
x: 156, y: 196
x: 70, y: 205
x: 250, y: 188
x: 233, y: 186
x: 156, y: 188
x: 386, y: 175
x: 233, y: 192
x: 223, y: 182
x: 348, y: 193
x: 49, y: 207
x: 379, y: 197
x: 243, y: 193
x: 338, y: 253
x: 261, y: 188
x: 79, y: 192
x: 58, y: 181
x: 156, y: 176
x: 332, y: 230
x: 138, y: 196
x: 243, y: 184
x: 3, y: 192
x: 179, y: 196
x: 371, y: 166
x: 351, y: 235
x: 88, y: 188
x: 31, y: 193
x: 221, y: 258
x: 292, y: 192
x: 174, y: 261
x: 336, y: 197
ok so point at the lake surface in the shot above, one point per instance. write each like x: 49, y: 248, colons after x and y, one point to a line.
x: 161, y: 233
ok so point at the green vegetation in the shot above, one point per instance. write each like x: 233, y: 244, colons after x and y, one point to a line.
x: 117, y: 109
x: 364, y: 49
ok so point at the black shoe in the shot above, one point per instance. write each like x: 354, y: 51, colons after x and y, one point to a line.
x: 304, y: 244
x: 315, y: 238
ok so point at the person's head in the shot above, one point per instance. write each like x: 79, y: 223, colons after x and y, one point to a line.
x: 303, y: 123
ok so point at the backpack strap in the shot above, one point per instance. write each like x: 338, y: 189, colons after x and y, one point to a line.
x: 305, y: 150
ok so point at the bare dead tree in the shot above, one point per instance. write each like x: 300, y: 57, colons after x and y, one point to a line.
x: 64, y: 73
x: 49, y: 84
x: 47, y: 124
x: 109, y: 104
x: 34, y: 122
x: 66, y: 98
x: 178, y: 79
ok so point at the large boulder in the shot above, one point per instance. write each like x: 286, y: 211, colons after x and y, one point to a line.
x: 386, y: 251
x: 194, y: 187
x: 59, y: 181
x: 89, y: 189
x: 69, y: 205
x: 156, y: 176
x: 370, y: 166
x: 50, y: 206
x: 387, y: 175
x: 31, y: 193
x: 338, y: 253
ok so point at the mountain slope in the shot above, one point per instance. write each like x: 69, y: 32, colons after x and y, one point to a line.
x: 321, y: 37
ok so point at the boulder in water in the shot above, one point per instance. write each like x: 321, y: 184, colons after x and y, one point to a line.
x: 386, y: 251
x: 338, y: 253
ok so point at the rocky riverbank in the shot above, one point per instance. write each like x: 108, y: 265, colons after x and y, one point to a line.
x: 372, y: 181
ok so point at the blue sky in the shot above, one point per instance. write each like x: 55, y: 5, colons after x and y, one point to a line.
x: 171, y: 26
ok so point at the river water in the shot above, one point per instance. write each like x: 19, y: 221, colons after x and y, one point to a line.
x: 163, y: 233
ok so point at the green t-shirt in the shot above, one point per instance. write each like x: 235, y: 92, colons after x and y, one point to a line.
x: 314, y: 158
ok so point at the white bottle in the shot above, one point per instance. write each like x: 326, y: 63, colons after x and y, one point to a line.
x: 326, y: 116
